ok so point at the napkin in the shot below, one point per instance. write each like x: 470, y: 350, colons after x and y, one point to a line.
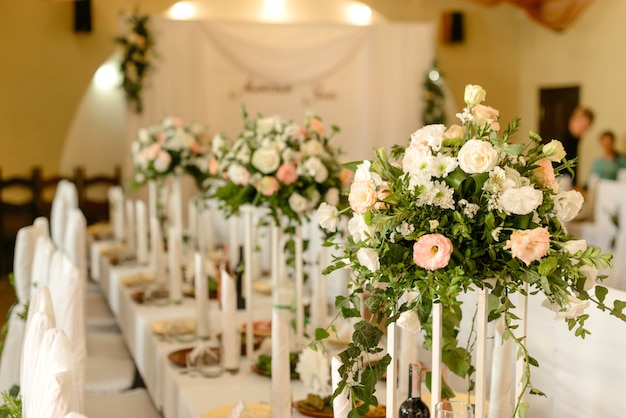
x: 501, y: 390
x: 314, y: 370
x: 141, y: 221
x: 157, y: 253
x: 202, y: 295
x: 129, y: 227
x: 341, y: 403
x: 231, y: 337
x: 281, y: 367
x: 116, y: 204
x: 174, y: 244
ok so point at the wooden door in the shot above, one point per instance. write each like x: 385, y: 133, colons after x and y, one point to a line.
x: 555, y: 107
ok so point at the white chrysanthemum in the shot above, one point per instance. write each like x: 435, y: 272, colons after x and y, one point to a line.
x: 442, y: 165
x: 443, y: 195
x: 238, y: 174
x: 313, y: 369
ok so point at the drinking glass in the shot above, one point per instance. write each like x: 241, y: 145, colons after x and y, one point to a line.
x: 453, y: 409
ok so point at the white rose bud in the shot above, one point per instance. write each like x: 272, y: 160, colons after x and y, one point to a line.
x: 575, y: 245
x: 591, y: 273
x: 554, y: 151
x: 474, y: 94
x: 477, y: 156
x: 567, y: 205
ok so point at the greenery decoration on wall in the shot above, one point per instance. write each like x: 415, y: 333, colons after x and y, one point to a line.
x: 138, y: 49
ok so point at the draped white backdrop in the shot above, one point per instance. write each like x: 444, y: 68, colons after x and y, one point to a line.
x: 365, y: 79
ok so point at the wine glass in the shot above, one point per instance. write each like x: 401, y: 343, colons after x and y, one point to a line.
x: 453, y: 409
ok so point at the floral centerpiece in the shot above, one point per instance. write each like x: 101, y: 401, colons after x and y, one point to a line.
x: 277, y: 164
x: 170, y: 147
x: 458, y: 209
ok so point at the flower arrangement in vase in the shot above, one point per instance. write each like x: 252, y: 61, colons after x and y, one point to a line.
x: 460, y: 208
x: 282, y: 166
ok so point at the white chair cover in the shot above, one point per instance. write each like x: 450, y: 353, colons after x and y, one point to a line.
x: 38, y: 324
x: 67, y: 290
x: 22, y: 264
x: 75, y: 240
x: 40, y: 274
x: 65, y: 198
x: 53, y: 389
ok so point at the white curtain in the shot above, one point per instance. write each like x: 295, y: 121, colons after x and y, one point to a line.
x: 365, y: 79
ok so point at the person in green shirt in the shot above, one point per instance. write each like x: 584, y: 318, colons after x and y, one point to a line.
x: 611, y: 161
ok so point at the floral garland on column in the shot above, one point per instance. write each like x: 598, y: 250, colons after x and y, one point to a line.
x: 138, y: 50
x: 461, y: 208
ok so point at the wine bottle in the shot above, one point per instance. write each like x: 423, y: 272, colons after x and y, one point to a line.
x: 239, y: 269
x: 413, y: 406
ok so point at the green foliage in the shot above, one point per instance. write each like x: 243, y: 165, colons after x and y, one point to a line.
x: 12, y: 407
x: 138, y: 51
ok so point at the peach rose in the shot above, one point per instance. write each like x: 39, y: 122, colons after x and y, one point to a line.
x: 486, y: 115
x: 432, y: 251
x: 362, y: 196
x: 287, y: 174
x: 317, y: 125
x: 454, y: 131
x: 267, y: 186
x: 214, y: 166
x: 545, y: 173
x: 529, y: 244
x: 346, y: 176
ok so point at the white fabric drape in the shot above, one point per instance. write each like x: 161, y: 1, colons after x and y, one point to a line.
x: 366, y: 80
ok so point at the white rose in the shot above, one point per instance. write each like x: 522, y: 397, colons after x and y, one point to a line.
x: 265, y: 125
x: 477, y: 156
x: 358, y: 229
x: 315, y: 168
x: 162, y: 161
x: 362, y: 172
x: 591, y: 273
x: 574, y: 307
x: 409, y: 321
x: 567, y: 205
x: 328, y: 217
x: 368, y: 258
x: 575, y: 245
x: 431, y: 135
x: 312, y: 147
x: 298, y: 203
x: 521, y: 201
x: 332, y: 196
x: 238, y: 174
x: 143, y: 135
x: 266, y: 160
x: 474, y: 94
x: 554, y: 151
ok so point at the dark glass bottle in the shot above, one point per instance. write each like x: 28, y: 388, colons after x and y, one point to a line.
x: 239, y: 269
x: 414, y: 407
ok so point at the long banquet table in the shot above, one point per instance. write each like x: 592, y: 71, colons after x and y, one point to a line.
x: 174, y: 392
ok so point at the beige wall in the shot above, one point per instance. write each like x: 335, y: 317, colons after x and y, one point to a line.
x: 47, y: 67
x: 590, y: 54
